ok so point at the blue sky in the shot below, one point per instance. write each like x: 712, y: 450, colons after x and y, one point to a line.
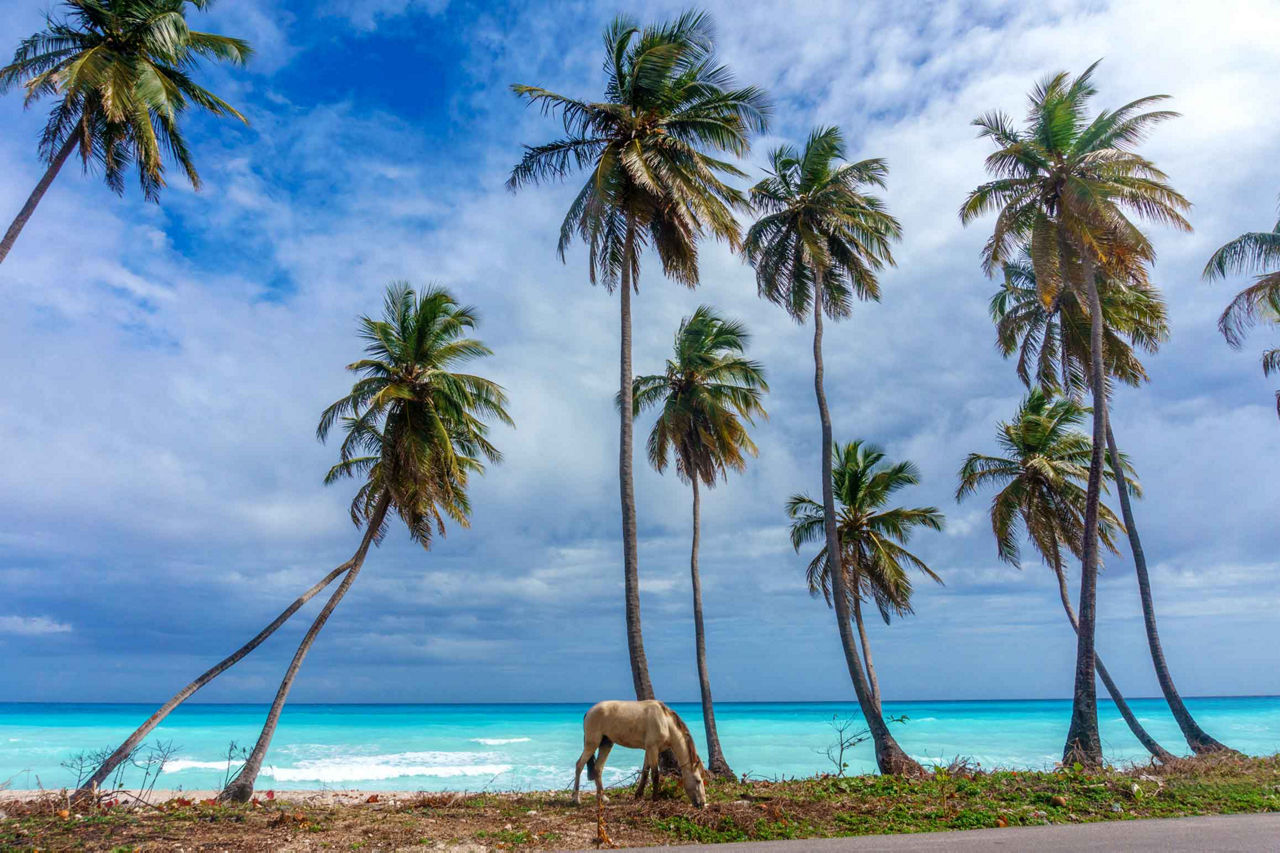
x: 164, y: 367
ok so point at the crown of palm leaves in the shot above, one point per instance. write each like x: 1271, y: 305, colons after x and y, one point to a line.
x: 667, y: 104
x: 121, y: 73
x: 414, y: 430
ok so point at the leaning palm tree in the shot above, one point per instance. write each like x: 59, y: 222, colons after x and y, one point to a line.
x: 120, y: 70
x: 708, y: 395
x: 819, y: 243
x: 1045, y: 460
x: 131, y: 744
x: 1057, y: 344
x: 1066, y: 184
x: 873, y: 538
x: 415, y: 433
x: 1255, y: 252
x: 651, y: 181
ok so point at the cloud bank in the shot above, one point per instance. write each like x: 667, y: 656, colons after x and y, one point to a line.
x: 164, y: 368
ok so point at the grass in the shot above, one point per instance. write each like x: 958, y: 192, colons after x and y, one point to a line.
x: 951, y: 798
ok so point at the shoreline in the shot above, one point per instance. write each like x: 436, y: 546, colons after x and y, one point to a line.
x: 313, y: 796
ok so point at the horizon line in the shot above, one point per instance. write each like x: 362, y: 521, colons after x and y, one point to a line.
x: 850, y: 700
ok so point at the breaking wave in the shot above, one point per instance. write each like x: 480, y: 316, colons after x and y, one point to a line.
x: 499, y: 741
x: 372, y: 768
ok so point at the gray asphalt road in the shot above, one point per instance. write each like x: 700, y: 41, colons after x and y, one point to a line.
x: 1255, y: 833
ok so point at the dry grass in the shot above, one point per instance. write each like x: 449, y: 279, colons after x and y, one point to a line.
x: 958, y: 797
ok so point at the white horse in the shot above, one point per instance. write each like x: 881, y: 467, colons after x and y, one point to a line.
x: 648, y: 725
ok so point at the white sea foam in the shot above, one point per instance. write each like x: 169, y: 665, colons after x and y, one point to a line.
x: 499, y: 741
x: 177, y: 765
x: 372, y: 768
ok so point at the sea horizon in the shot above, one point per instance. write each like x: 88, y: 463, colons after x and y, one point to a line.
x: 265, y: 703
x: 435, y: 746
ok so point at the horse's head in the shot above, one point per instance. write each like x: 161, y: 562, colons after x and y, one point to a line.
x: 694, y: 778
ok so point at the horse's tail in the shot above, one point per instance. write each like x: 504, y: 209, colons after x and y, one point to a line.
x: 591, y: 760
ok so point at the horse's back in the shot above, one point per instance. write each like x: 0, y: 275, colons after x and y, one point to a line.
x: 624, y: 722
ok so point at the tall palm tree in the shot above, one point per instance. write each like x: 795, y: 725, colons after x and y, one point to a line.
x: 1254, y: 252
x: 415, y: 432
x: 708, y: 395
x: 120, y: 70
x: 873, y: 555
x: 1045, y: 460
x: 819, y: 243
x: 651, y: 181
x: 1066, y: 184
x: 1134, y: 316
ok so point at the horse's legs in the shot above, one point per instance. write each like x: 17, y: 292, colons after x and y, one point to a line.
x: 644, y: 777
x: 657, y: 777
x: 602, y: 755
x: 577, y: 771
x: 601, y: 835
x: 650, y: 764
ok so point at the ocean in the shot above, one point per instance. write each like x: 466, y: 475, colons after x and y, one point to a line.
x: 523, y: 747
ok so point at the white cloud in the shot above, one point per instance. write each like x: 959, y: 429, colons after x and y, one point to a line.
x: 32, y: 626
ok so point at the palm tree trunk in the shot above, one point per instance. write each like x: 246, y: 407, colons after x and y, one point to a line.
x: 1157, y: 751
x: 866, y: 651
x: 716, y: 762
x: 626, y: 481
x: 20, y: 221
x: 889, y: 756
x: 1199, y: 740
x: 1084, y: 744
x: 240, y: 789
x: 125, y: 749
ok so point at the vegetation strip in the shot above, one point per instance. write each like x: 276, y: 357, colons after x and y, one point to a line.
x: 957, y: 797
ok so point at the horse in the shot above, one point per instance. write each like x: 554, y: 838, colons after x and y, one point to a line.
x: 649, y: 725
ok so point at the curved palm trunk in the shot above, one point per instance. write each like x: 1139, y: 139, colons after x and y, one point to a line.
x: 240, y: 789
x: 1199, y: 740
x: 866, y: 651
x: 626, y: 482
x: 1144, y: 737
x: 125, y: 749
x: 889, y: 756
x: 20, y: 221
x: 716, y: 762
x: 1084, y: 744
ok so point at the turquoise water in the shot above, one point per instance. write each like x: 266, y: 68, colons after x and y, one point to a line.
x: 509, y: 747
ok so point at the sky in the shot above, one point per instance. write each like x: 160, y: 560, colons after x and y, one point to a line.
x: 164, y: 367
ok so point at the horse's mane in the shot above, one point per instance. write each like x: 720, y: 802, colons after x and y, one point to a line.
x: 688, y: 738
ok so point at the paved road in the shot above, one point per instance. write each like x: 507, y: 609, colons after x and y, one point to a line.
x: 1254, y: 833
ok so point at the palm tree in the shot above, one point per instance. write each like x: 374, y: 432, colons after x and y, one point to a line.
x: 120, y: 72
x: 819, y: 243
x: 873, y: 555
x: 1252, y: 252
x: 707, y: 392
x: 1039, y: 477
x: 415, y: 433
x: 651, y: 181
x: 1133, y: 315
x: 1065, y: 185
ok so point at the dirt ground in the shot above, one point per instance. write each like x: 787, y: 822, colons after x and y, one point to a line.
x: 949, y: 798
